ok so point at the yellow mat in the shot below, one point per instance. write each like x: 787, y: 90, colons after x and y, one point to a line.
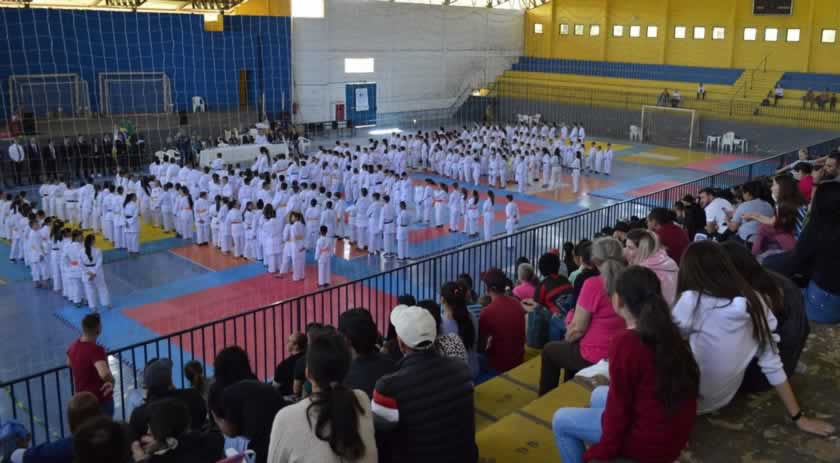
x: 499, y: 397
x: 148, y: 233
x: 517, y: 439
x: 668, y: 157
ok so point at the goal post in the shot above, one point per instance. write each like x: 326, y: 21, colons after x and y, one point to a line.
x: 49, y: 94
x: 664, y: 125
x: 135, y: 92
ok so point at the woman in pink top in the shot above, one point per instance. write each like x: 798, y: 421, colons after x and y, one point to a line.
x: 643, y: 249
x: 592, y: 324
x: 527, y: 282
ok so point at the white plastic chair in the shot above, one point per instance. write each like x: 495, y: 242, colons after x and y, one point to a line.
x: 635, y: 133
x: 727, y: 140
x: 523, y: 118
x: 227, y: 135
x: 536, y: 118
x: 712, y: 141
x: 303, y: 144
x: 198, y: 104
x: 741, y: 144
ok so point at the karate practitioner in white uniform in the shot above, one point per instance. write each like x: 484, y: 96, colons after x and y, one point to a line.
x: 131, y: 215
x: 440, y: 200
x: 403, y: 222
x: 36, y: 249
x: 202, y: 219
x: 608, y: 159
x: 273, y: 236
x: 488, y: 212
x: 324, y: 250
x: 576, y: 172
x: 299, y: 254
x: 387, y: 222
x: 93, y: 276
x: 511, y: 219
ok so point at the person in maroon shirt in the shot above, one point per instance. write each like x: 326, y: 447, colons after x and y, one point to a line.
x: 501, y: 324
x: 674, y: 238
x: 647, y: 412
x: 803, y: 172
x: 89, y: 364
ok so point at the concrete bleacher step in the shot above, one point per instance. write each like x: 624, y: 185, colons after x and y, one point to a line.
x: 525, y: 435
x: 506, y: 393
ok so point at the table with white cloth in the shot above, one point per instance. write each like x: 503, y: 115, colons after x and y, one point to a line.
x: 240, y: 153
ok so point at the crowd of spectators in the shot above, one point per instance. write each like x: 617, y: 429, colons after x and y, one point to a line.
x: 682, y: 310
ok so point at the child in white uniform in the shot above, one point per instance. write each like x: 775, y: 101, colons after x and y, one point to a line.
x: 55, y: 254
x: 471, y: 222
x: 233, y: 226
x: 72, y: 263
x: 273, y: 236
x: 440, y: 200
x: 36, y: 249
x: 324, y: 250
x: 93, y: 276
x: 608, y: 159
x: 202, y: 219
x: 131, y: 214
x: 403, y: 222
x: 576, y: 172
x: 488, y: 212
x: 511, y: 219
x: 299, y: 254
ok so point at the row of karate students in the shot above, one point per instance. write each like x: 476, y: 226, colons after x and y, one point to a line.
x: 57, y: 255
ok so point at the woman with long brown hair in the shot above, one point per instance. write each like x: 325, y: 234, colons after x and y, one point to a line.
x: 728, y: 324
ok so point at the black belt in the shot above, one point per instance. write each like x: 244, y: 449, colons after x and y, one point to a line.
x: 386, y: 223
x: 90, y: 265
x: 71, y: 201
x: 129, y: 217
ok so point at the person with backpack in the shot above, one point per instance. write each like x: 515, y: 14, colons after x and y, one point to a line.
x: 552, y: 300
x: 593, y: 323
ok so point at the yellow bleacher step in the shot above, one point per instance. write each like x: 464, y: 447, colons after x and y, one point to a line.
x: 502, y: 395
x: 569, y: 394
x: 525, y: 435
x: 517, y: 439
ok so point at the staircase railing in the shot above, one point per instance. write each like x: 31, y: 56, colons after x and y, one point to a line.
x: 747, y: 84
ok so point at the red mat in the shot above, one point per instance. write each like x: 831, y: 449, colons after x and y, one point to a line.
x: 430, y: 233
x: 262, y: 334
x: 208, y: 257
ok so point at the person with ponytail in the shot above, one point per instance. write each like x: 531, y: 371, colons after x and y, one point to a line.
x: 457, y: 319
x: 592, y: 324
x: 647, y: 412
x: 643, y: 248
x: 93, y: 276
x: 727, y: 324
x: 335, y: 423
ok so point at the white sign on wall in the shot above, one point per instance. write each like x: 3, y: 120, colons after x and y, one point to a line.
x: 362, y: 103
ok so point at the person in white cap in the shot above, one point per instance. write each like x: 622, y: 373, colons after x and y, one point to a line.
x: 416, y: 425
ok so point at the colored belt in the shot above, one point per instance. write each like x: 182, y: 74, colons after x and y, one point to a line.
x: 71, y: 201
x: 90, y: 265
x: 235, y: 223
x: 386, y: 223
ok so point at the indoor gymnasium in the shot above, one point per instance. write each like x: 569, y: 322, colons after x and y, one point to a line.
x: 419, y: 230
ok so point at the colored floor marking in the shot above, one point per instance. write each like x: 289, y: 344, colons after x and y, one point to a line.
x: 261, y: 331
x: 430, y: 233
x: 208, y: 257
x: 659, y: 157
x: 718, y: 163
x: 148, y: 234
x: 564, y: 193
x: 654, y: 187
x: 679, y: 157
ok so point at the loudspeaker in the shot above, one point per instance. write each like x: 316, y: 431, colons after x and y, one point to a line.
x: 182, y: 118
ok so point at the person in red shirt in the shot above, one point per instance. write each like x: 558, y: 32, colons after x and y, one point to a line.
x: 89, y: 364
x: 802, y: 171
x: 501, y: 324
x: 671, y: 236
x: 647, y: 412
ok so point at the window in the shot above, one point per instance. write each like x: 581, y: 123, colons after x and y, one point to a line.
x: 618, y: 31
x: 793, y: 35
x: 829, y: 36
x: 564, y: 29
x: 718, y: 33
x: 771, y: 34
x: 635, y: 31
x: 679, y: 32
x: 358, y: 65
x: 594, y: 30
x: 580, y: 29
x: 750, y: 34
x: 307, y: 8
x: 652, y: 32
x: 538, y: 28
x: 699, y: 32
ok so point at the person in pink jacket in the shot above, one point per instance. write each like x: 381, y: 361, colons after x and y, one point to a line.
x: 643, y: 248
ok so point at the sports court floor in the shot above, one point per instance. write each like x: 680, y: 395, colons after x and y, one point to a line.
x: 173, y: 285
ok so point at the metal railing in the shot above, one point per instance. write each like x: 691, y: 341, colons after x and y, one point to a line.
x: 38, y: 400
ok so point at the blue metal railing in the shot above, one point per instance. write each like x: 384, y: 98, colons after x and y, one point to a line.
x: 38, y: 400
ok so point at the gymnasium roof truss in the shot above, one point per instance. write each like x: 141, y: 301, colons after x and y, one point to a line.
x: 162, y: 6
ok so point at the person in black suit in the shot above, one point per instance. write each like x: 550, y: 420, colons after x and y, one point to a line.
x: 107, y: 150
x: 50, y: 159
x: 67, y: 154
x: 33, y: 155
x: 83, y: 158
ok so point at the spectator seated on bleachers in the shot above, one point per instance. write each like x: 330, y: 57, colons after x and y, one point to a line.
x: 647, y: 413
x: 664, y: 98
x: 502, y: 324
x: 728, y: 325
x: 676, y: 98
x: 368, y: 364
x: 643, y: 248
x: 169, y: 438
x: 809, y: 99
x: 418, y: 425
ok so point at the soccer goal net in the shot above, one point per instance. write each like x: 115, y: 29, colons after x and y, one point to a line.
x: 663, y: 125
x: 135, y: 92
x: 49, y: 95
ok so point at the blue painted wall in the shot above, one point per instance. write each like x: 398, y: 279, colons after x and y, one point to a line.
x: 40, y: 41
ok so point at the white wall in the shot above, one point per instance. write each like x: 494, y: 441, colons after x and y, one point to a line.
x: 425, y: 55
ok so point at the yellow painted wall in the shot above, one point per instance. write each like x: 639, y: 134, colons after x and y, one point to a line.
x: 807, y: 55
x: 263, y: 8
x: 539, y: 45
